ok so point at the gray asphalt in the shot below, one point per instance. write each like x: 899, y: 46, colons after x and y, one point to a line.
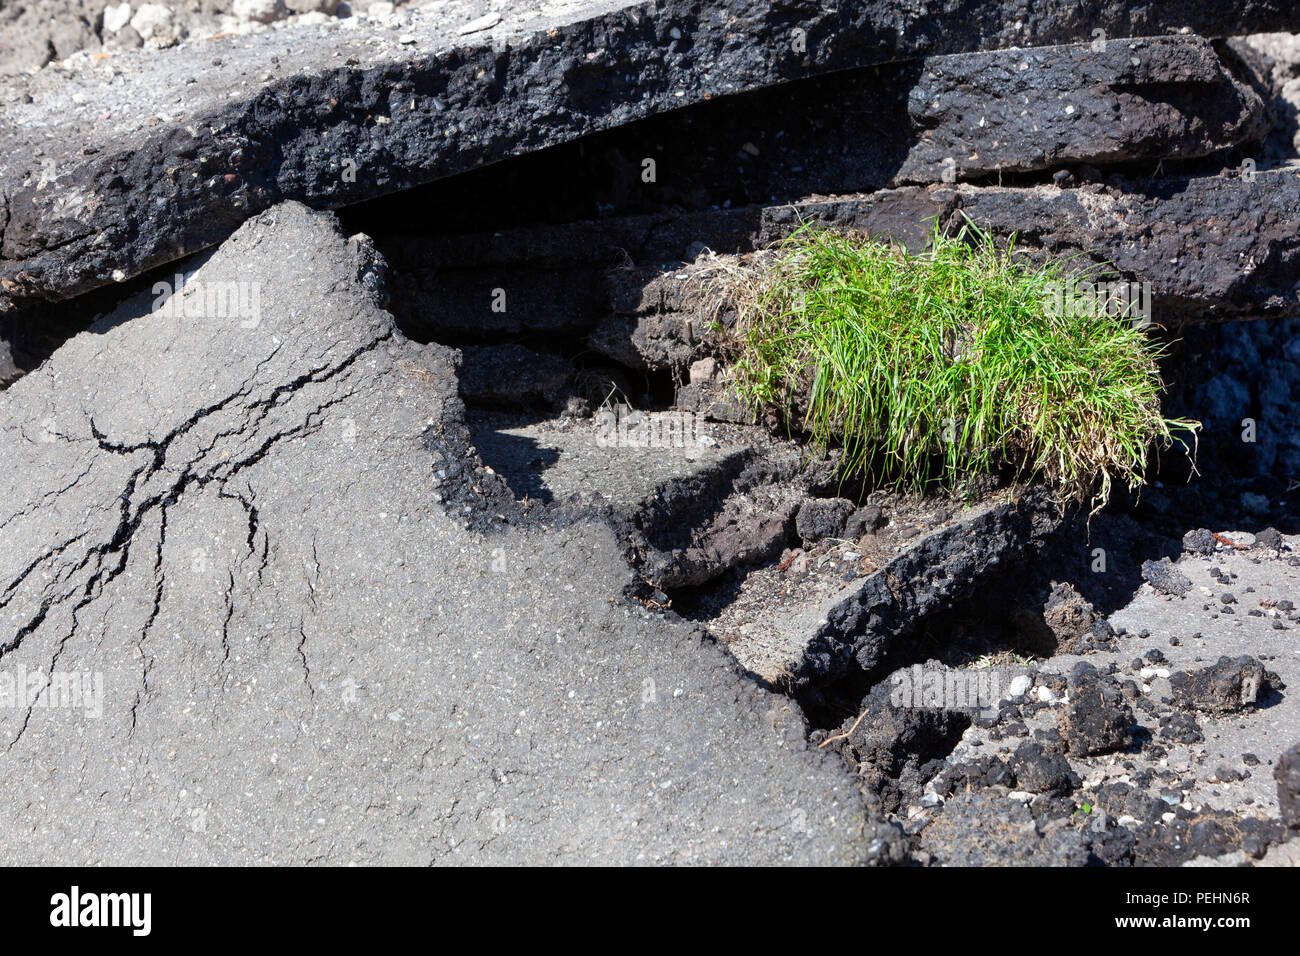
x: 1265, y: 731
x: 304, y: 658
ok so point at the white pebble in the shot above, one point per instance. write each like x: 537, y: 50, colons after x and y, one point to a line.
x: 485, y: 22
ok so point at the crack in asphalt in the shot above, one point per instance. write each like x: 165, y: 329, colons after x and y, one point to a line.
x: 196, y: 472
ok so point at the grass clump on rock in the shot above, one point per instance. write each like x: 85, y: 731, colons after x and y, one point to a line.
x: 941, y: 366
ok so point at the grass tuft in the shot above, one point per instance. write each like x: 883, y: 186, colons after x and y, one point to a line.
x: 937, y: 367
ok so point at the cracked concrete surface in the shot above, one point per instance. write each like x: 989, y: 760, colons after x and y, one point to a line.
x: 233, y: 519
x: 263, y: 600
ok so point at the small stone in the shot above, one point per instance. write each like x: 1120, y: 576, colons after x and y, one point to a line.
x: 116, y: 16
x: 485, y: 22
x: 1200, y: 541
x: 151, y: 19
x: 1269, y: 538
x: 1287, y: 775
x: 1224, y: 687
x: 258, y: 11
x: 864, y: 521
x: 1097, y: 718
x: 1164, y: 577
x: 821, y: 518
x: 704, y: 371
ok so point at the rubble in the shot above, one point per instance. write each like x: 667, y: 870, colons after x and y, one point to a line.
x: 1224, y: 687
x: 1287, y: 774
x: 1096, y: 719
x: 446, y: 505
x: 105, y: 177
